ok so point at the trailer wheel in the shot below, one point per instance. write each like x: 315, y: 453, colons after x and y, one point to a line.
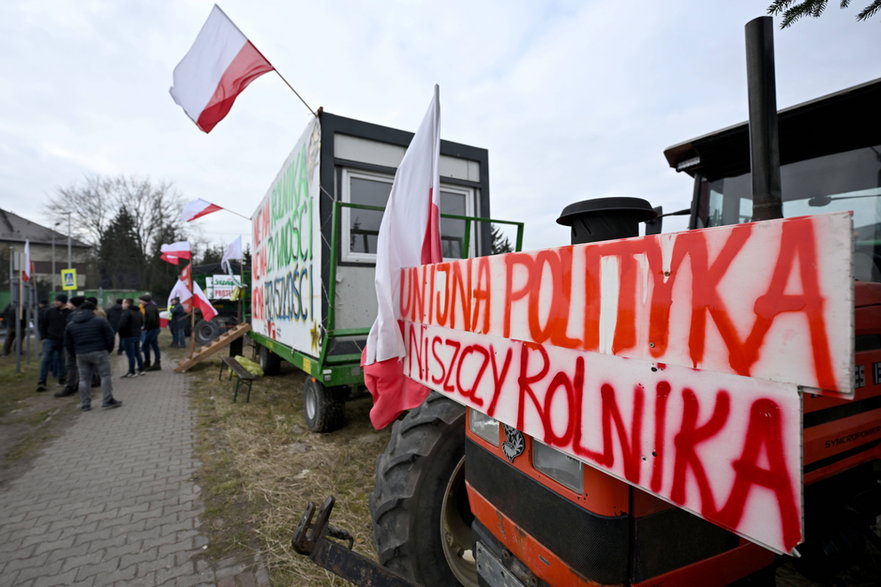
x: 206, y: 331
x: 323, y: 407
x: 269, y: 361
x: 421, y: 517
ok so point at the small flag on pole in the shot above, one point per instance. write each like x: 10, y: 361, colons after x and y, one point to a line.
x: 26, y: 265
x: 197, y: 209
x: 409, y: 235
x: 217, y: 68
x: 174, y: 252
x: 233, y: 252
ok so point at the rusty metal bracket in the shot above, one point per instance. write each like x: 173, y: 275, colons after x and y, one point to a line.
x: 313, y: 539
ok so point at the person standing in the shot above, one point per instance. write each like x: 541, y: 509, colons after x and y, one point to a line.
x: 73, y: 379
x: 152, y: 326
x: 52, y: 325
x: 90, y: 339
x: 130, y: 322
x: 178, y: 323
x: 114, y: 313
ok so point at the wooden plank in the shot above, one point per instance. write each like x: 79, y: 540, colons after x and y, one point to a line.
x: 206, y: 351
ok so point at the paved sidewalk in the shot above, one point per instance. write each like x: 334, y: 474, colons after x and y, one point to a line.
x: 112, y: 501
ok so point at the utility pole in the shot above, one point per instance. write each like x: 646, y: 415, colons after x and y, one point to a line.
x: 69, y: 263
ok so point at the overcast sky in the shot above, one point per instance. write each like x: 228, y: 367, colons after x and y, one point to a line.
x: 572, y: 99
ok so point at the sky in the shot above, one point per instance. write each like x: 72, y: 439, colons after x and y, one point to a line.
x: 573, y: 99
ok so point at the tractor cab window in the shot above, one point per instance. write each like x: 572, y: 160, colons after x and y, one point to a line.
x: 842, y: 181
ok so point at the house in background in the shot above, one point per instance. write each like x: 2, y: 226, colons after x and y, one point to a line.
x: 15, y: 230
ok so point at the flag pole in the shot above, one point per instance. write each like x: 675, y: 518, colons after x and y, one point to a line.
x: 192, y: 311
x: 267, y: 61
x: 20, y: 314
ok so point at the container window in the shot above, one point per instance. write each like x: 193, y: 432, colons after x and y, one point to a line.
x: 361, y: 227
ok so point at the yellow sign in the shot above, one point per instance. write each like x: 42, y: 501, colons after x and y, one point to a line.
x: 68, y: 279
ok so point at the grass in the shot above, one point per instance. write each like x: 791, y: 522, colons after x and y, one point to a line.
x: 27, y: 420
x: 261, y: 466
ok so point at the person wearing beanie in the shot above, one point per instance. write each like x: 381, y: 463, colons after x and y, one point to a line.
x: 90, y: 338
x: 51, y: 328
x: 73, y: 380
x: 151, y: 332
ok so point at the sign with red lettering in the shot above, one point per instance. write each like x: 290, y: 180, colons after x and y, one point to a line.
x: 673, y: 362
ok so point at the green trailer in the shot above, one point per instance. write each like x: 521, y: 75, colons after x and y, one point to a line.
x: 314, y: 244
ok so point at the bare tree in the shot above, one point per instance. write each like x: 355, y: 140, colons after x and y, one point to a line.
x: 94, y: 204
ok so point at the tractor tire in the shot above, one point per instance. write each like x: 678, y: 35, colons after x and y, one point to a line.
x: 206, y: 331
x: 323, y: 407
x: 269, y: 361
x: 421, y: 518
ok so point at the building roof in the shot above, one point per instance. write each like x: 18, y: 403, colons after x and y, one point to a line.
x: 14, y: 228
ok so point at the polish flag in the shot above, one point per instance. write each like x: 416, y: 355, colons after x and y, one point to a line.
x: 196, y: 209
x: 181, y: 291
x: 174, y: 252
x: 409, y: 235
x: 201, y: 301
x: 26, y: 266
x: 216, y: 69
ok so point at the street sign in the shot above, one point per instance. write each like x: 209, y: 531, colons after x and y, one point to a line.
x: 68, y: 279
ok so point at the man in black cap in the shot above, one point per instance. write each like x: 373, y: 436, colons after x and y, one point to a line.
x: 90, y: 338
x: 51, y: 327
x: 73, y: 380
x: 151, y: 332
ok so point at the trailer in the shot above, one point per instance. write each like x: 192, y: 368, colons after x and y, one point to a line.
x: 314, y: 246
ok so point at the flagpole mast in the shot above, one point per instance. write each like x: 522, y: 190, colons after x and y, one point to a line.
x: 267, y: 61
x: 192, y: 311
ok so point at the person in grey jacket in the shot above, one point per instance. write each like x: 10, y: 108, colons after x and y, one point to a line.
x: 90, y: 338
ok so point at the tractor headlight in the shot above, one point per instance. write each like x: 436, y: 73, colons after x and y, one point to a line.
x: 558, y: 466
x: 483, y: 426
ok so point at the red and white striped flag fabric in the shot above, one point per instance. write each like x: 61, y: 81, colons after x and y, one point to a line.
x: 217, y: 68
x: 174, y: 252
x: 197, y: 209
x: 180, y: 291
x: 26, y: 265
x: 409, y: 235
x: 201, y: 301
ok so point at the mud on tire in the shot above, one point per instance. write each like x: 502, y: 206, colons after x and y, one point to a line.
x: 419, y: 505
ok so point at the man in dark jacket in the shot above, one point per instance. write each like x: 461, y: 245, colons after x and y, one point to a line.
x: 51, y: 327
x: 90, y: 338
x: 129, y: 334
x: 151, y: 332
x: 114, y: 313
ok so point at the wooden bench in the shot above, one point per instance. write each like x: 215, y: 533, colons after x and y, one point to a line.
x: 242, y: 376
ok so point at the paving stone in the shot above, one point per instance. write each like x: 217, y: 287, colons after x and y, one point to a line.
x: 112, y: 500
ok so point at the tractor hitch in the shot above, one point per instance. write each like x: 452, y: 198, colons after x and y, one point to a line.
x: 313, y: 539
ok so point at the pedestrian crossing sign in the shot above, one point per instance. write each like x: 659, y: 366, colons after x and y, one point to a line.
x: 68, y: 279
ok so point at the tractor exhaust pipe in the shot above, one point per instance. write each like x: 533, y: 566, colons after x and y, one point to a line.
x: 763, y: 137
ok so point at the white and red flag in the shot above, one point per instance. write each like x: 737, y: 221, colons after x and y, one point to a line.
x: 201, y: 302
x: 196, y: 209
x: 180, y: 291
x: 409, y: 235
x: 217, y: 68
x: 26, y: 265
x: 233, y: 252
x: 174, y: 252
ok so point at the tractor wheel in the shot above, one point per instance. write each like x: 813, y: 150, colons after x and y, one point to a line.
x: 206, y: 331
x: 269, y: 361
x: 421, y: 518
x: 323, y: 407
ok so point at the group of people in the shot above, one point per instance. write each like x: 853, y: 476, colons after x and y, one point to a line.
x: 78, y: 338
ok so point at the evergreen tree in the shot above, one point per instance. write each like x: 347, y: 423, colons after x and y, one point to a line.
x: 500, y: 242
x: 792, y: 10
x: 120, y: 259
